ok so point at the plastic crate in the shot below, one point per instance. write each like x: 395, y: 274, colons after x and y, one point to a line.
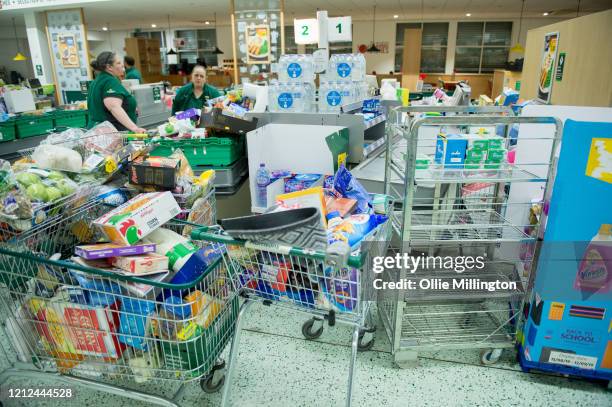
x: 71, y: 118
x: 218, y: 121
x: 219, y: 151
x: 7, y: 130
x: 30, y: 126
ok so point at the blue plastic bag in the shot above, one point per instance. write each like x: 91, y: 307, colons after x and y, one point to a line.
x: 349, y: 187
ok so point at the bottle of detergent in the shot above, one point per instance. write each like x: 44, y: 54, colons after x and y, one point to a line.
x: 594, y: 272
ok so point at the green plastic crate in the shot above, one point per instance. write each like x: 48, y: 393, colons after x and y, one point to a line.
x: 219, y: 151
x: 7, y: 130
x: 30, y: 126
x: 196, y: 357
x: 71, y: 118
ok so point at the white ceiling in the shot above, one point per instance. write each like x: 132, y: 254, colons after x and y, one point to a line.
x: 130, y: 14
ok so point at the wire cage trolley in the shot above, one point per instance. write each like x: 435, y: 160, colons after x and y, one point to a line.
x: 481, y: 207
x: 135, y: 336
x: 337, y: 289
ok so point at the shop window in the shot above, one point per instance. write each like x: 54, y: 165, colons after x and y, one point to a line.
x: 433, y: 46
x: 198, y: 45
x: 482, y: 46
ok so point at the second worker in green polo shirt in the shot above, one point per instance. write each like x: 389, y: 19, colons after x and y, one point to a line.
x: 196, y: 93
x: 130, y: 70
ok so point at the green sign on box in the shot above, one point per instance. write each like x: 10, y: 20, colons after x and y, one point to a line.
x: 560, y: 67
x: 156, y: 94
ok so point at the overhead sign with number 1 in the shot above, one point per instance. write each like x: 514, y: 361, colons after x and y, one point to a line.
x: 306, y: 31
x: 339, y: 29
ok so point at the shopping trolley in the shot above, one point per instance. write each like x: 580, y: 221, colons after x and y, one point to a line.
x: 338, y: 290
x: 111, y: 332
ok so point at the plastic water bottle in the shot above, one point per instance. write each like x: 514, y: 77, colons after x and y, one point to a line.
x: 263, y: 180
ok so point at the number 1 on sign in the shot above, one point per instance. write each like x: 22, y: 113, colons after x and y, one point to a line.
x: 339, y: 27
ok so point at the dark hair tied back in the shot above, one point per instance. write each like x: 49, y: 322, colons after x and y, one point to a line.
x: 103, y: 60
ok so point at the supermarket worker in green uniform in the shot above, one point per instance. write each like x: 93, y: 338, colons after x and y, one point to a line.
x: 195, y: 93
x: 107, y: 99
x: 130, y: 71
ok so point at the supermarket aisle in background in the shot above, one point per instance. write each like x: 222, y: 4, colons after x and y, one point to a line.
x: 277, y: 367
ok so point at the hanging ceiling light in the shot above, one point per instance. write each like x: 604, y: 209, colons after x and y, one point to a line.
x: 19, y: 56
x: 217, y: 51
x: 518, y: 48
x: 171, y: 54
x: 373, y: 48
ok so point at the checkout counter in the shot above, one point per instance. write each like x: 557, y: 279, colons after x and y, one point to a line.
x: 148, y: 97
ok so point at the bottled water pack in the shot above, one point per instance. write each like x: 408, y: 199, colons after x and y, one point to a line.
x: 291, y: 97
x: 296, y: 67
x: 350, y: 67
x: 334, y: 94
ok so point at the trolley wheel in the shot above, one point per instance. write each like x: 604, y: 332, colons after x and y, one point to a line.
x: 490, y: 356
x: 212, y: 382
x: 308, y: 332
x: 366, y: 340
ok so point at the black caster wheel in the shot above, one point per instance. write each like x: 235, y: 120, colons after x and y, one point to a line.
x: 212, y: 382
x: 308, y: 332
x: 366, y: 341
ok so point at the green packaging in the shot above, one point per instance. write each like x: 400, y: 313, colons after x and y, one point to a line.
x: 496, y: 155
x: 496, y: 143
x: 472, y: 164
x: 475, y: 155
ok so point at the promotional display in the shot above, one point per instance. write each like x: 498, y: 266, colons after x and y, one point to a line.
x: 547, y: 66
x: 569, y: 320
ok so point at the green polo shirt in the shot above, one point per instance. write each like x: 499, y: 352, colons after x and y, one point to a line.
x: 185, y: 99
x: 105, y: 86
x: 133, y: 73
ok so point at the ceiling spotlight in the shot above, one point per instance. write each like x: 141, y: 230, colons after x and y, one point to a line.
x: 395, y: 16
x: 153, y: 25
x: 206, y: 22
x: 104, y: 28
x: 468, y: 14
x: 545, y: 13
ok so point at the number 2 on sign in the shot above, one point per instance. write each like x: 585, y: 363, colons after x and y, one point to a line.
x: 305, y: 30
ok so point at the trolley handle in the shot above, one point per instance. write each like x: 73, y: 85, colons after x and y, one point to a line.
x: 215, y: 234
x: 111, y: 275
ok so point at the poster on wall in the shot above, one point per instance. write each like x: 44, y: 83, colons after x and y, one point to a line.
x: 69, y: 53
x: 258, y: 44
x: 547, y: 66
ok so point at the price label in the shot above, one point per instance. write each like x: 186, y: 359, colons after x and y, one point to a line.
x: 306, y: 31
x: 339, y: 29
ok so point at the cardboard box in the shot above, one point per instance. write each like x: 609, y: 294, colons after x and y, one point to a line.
x: 451, y: 150
x: 299, y: 148
x: 106, y: 250
x: 157, y: 171
x: 135, y: 219
x: 141, y: 264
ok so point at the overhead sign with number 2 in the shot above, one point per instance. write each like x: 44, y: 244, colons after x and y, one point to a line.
x: 306, y: 31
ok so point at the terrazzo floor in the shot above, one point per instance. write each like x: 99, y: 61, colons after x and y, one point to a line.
x: 277, y: 367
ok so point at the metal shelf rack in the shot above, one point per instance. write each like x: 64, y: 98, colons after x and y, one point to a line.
x: 446, y: 212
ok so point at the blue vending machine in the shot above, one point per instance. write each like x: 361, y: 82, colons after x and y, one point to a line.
x: 568, y: 321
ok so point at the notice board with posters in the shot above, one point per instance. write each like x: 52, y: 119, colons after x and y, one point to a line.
x: 568, y: 327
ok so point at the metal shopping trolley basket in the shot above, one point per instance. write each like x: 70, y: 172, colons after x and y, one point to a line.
x: 139, y: 337
x: 306, y: 280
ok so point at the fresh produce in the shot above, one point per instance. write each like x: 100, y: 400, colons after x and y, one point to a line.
x: 27, y: 178
x: 53, y: 194
x: 37, y: 192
